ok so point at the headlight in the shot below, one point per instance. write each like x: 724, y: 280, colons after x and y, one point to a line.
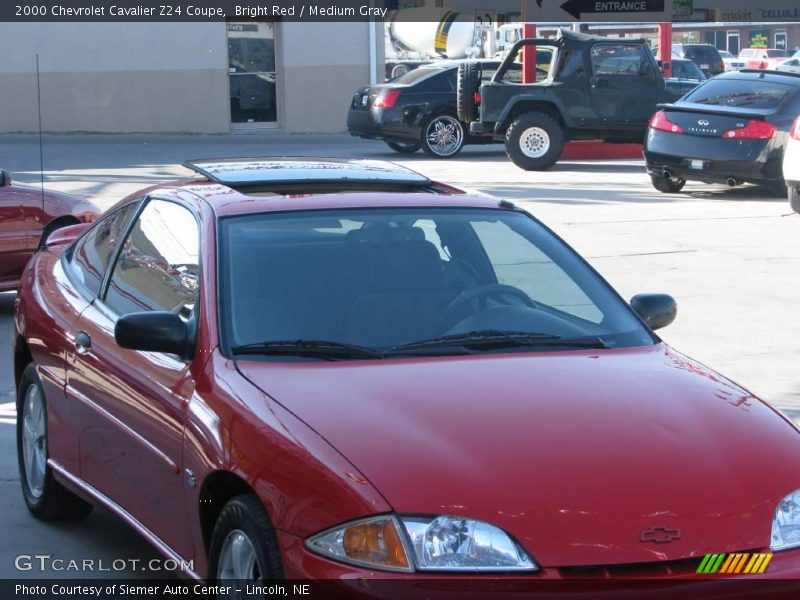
x: 786, y: 523
x: 427, y: 543
x: 456, y: 544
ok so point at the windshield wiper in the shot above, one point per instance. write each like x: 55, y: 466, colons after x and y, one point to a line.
x: 324, y: 349
x: 497, y: 339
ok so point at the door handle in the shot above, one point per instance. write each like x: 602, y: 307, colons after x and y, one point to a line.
x: 82, y: 342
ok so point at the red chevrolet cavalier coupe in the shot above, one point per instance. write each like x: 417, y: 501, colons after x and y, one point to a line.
x: 28, y: 215
x: 336, y: 369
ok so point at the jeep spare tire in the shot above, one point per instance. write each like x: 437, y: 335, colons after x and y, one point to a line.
x: 469, y: 80
x: 534, y: 141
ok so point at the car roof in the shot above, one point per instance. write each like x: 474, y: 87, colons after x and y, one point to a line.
x: 268, y: 184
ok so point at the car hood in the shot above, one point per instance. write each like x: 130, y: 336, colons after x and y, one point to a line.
x: 579, y: 455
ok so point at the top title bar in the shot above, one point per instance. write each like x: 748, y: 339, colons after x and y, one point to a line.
x: 536, y: 11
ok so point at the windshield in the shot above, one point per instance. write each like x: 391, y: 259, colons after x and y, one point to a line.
x: 382, y: 278
x: 740, y: 93
x: 686, y: 69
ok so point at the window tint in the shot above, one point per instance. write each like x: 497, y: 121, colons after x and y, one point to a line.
x: 90, y: 256
x: 706, y: 52
x: 619, y: 59
x: 738, y: 92
x: 158, y: 266
x: 777, y: 54
x: 416, y: 75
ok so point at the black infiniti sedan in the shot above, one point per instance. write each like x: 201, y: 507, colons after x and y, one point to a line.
x: 731, y: 129
x: 416, y: 110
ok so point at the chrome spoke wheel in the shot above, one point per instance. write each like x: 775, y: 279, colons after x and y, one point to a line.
x: 445, y: 135
x: 237, y: 559
x: 34, y: 440
x: 534, y: 142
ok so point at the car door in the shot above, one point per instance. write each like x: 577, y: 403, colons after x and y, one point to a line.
x: 624, y: 84
x: 131, y: 435
x: 74, y: 285
x: 13, y: 236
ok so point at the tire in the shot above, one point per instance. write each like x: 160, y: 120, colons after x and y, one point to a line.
x: 443, y: 136
x: 668, y: 186
x: 399, y: 70
x: 469, y: 81
x: 794, y: 198
x: 45, y: 497
x: 404, y: 147
x: 244, y: 520
x: 534, y: 141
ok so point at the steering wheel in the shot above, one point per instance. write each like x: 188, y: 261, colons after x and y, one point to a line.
x: 482, y: 291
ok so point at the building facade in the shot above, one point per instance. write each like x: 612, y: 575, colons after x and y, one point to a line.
x: 184, y: 77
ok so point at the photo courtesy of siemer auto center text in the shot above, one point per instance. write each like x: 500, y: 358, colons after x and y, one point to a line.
x: 400, y: 299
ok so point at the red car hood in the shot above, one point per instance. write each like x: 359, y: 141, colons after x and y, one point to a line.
x: 576, y: 454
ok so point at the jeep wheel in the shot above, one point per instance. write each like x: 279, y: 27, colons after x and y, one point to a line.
x: 469, y: 80
x: 534, y: 141
x: 404, y: 147
x: 794, y: 198
x: 673, y: 185
x: 443, y: 136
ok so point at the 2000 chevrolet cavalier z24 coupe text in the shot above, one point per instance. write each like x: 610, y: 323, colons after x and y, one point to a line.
x: 329, y: 369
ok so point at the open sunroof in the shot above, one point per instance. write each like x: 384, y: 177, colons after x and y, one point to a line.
x: 277, y: 171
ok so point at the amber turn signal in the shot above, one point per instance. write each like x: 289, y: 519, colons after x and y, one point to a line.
x: 376, y: 542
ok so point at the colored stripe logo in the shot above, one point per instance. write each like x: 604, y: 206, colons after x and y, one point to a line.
x: 738, y: 563
x: 440, y: 44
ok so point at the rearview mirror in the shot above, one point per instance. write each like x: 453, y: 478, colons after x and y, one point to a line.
x: 657, y: 310
x: 5, y: 178
x: 158, y: 331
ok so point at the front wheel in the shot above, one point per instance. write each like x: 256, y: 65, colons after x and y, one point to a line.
x: 673, y: 185
x: 443, y: 136
x: 534, y: 141
x: 794, y: 198
x: 244, y: 545
x: 45, y: 497
x: 404, y: 147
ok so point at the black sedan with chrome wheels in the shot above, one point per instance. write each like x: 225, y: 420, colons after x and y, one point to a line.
x: 416, y: 110
x: 732, y: 129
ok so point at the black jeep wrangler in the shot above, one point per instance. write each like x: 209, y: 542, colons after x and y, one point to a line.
x: 597, y: 88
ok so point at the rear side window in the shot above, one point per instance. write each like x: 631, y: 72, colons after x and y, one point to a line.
x: 618, y: 59
x: 90, y: 257
x: 741, y: 93
x: 777, y: 54
x: 158, y: 267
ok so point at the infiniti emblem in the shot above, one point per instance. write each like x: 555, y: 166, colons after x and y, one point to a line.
x: 660, y: 535
x: 703, y: 122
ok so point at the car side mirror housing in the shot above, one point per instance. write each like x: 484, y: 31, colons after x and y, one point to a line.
x: 657, y: 310
x: 157, y: 331
x: 64, y: 235
x: 5, y: 178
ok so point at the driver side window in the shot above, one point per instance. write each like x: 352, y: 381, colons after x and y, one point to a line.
x: 619, y: 60
x: 158, y: 267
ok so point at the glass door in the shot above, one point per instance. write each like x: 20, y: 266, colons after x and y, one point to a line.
x: 251, y: 71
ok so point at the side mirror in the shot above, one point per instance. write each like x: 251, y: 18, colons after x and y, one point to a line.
x: 657, y: 310
x: 5, y: 178
x: 64, y: 235
x: 157, y: 331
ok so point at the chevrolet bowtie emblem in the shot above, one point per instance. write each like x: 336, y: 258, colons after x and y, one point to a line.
x: 660, y: 535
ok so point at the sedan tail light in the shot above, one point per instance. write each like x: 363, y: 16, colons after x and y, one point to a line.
x: 795, y: 134
x: 660, y: 122
x: 387, y: 99
x: 754, y: 130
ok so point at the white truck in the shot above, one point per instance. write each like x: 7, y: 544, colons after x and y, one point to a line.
x: 425, y: 35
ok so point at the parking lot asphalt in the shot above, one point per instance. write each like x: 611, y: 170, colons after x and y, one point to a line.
x: 730, y: 257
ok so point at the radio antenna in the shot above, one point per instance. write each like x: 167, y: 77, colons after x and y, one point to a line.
x: 41, y: 145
